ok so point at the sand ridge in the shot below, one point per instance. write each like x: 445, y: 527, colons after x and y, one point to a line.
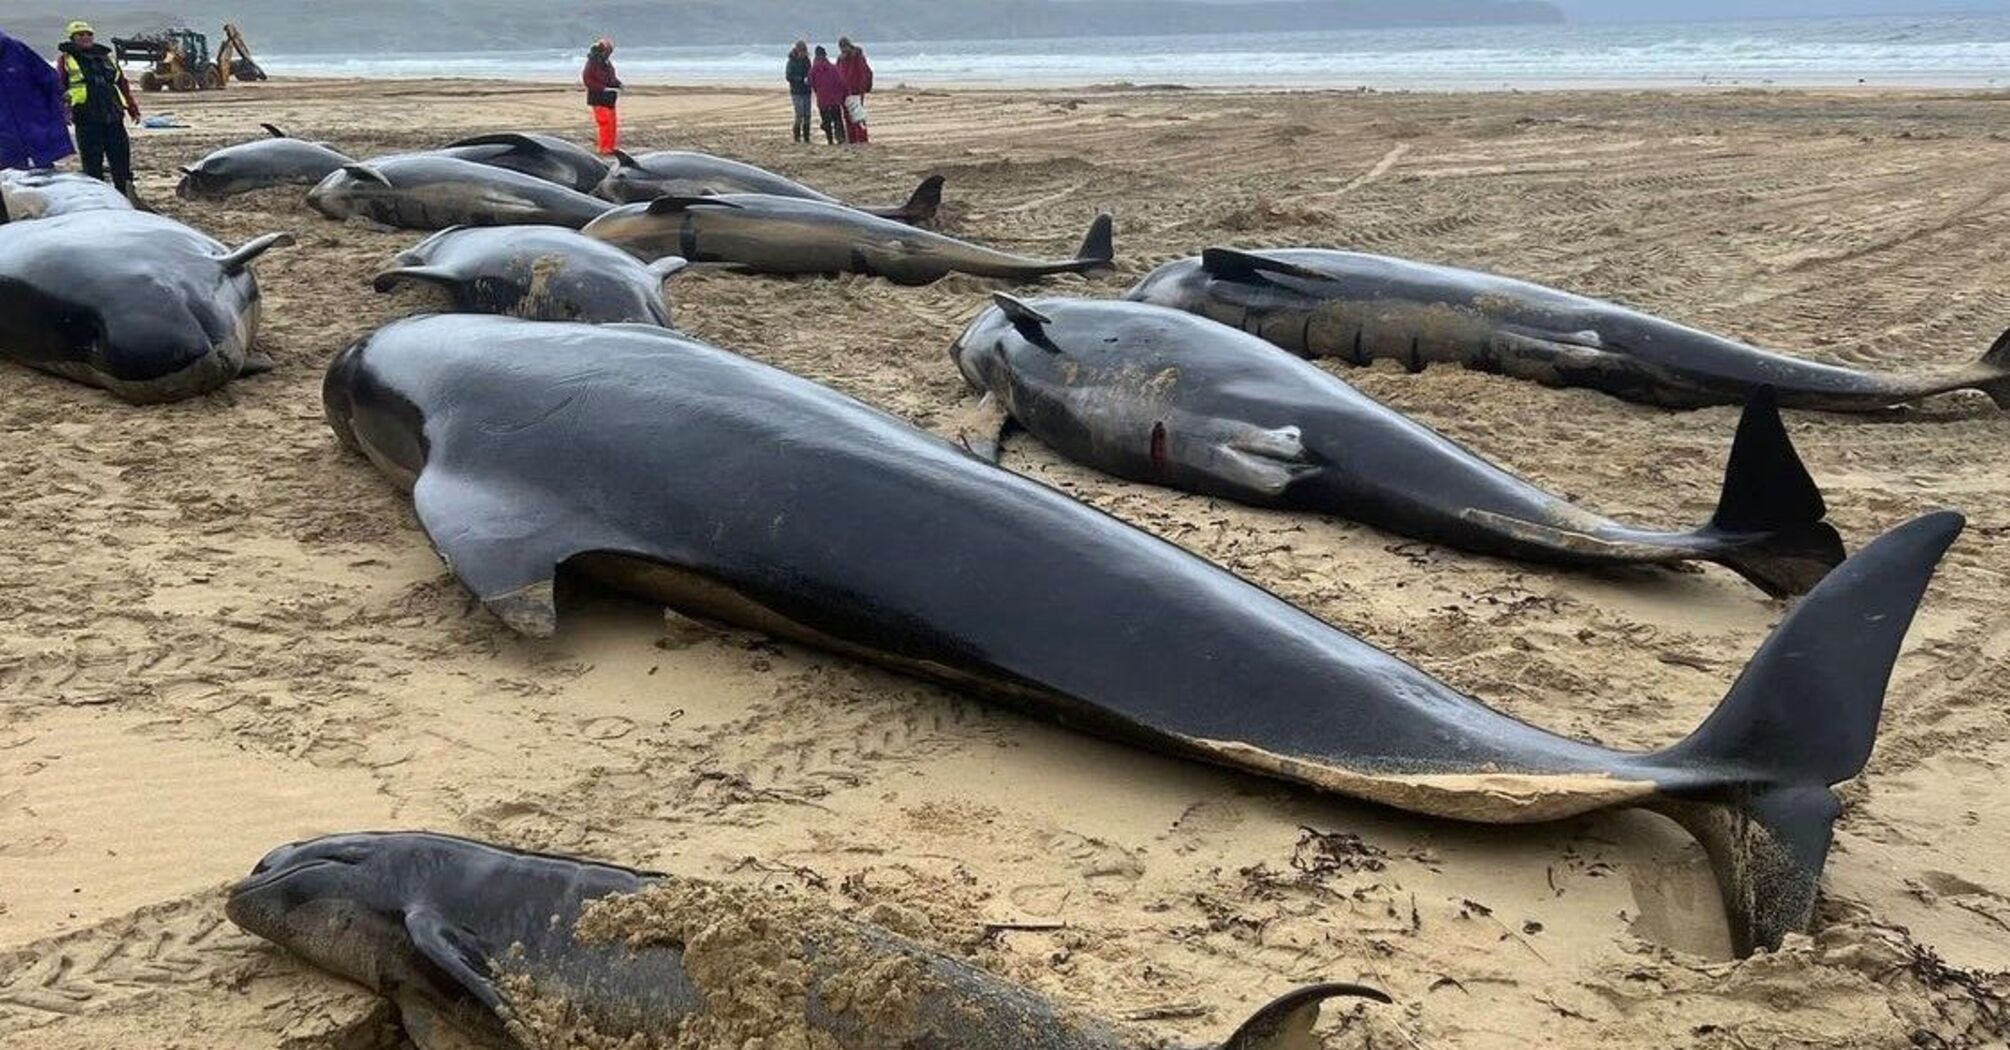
x: 219, y: 631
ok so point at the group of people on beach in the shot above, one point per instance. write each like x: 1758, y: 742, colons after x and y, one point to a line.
x: 83, y: 90
x: 836, y: 89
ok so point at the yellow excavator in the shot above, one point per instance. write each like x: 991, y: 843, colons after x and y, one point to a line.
x: 178, y: 59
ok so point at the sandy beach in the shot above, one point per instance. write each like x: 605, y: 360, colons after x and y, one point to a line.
x: 220, y: 632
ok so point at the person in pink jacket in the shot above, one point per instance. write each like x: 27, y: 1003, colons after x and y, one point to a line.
x: 857, y: 74
x: 829, y: 87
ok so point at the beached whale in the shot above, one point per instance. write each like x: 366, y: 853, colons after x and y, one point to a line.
x: 546, y: 157
x: 278, y: 160
x: 761, y: 233
x: 681, y: 173
x: 43, y: 193
x: 540, y: 273
x: 481, y: 946
x: 425, y: 192
x: 1360, y: 308
x: 732, y: 490
x: 136, y: 303
x: 1156, y: 395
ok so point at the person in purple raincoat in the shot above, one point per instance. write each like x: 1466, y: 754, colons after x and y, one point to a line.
x: 32, y: 131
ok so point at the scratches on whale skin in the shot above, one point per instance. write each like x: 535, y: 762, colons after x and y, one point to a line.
x: 1480, y: 796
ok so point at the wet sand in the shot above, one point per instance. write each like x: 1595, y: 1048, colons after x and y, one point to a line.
x: 219, y: 632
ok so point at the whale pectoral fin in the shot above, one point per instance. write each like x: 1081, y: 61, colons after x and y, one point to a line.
x: 671, y: 203
x: 505, y: 546
x: 895, y: 263
x: 981, y: 427
x: 1286, y: 1023
x: 235, y: 262
x: 256, y: 363
x: 368, y: 174
x: 391, y: 278
x: 1584, y: 339
x: 1261, y: 462
x: 1228, y: 264
x: 454, y: 957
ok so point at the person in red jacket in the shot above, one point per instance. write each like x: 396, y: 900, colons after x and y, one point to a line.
x: 828, y: 86
x: 857, y: 73
x: 603, y: 90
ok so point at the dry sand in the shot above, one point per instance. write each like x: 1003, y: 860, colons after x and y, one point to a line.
x: 219, y: 632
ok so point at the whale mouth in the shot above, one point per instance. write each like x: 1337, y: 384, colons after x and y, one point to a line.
x: 259, y: 880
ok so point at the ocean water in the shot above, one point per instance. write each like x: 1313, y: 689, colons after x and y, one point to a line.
x: 1970, y: 51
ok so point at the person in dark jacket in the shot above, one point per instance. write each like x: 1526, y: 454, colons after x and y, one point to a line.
x: 858, y: 84
x: 32, y: 134
x: 798, y: 74
x: 603, y: 91
x: 95, y: 90
x: 828, y: 86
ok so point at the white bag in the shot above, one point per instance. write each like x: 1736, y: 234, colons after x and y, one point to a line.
x: 854, y: 109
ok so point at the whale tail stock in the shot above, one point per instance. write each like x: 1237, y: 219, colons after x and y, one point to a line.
x: 1770, y: 512
x: 1801, y: 718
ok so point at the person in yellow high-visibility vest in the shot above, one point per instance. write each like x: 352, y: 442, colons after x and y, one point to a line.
x: 95, y: 90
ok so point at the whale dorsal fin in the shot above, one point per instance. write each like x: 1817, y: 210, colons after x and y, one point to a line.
x: 1286, y: 1024
x: 1228, y: 264
x: 275, y: 131
x: 625, y: 159
x: 670, y: 204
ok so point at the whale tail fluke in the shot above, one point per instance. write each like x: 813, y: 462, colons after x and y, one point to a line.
x: 1286, y: 1023
x: 1801, y: 718
x: 1771, y: 512
x: 1997, y: 363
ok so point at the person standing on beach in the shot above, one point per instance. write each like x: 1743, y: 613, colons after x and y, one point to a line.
x: 857, y: 74
x: 32, y: 134
x: 95, y: 91
x: 603, y: 91
x: 828, y: 85
x: 798, y: 74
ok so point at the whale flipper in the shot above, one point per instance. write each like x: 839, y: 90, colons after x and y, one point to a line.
x: 504, y: 544
x: 981, y: 428
x: 1801, y: 718
x: 1286, y: 1023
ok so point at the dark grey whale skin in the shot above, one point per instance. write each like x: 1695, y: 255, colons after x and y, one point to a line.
x: 1358, y: 308
x: 682, y: 173
x: 421, y: 191
x: 277, y: 160
x: 766, y: 234
x: 435, y: 922
x: 546, y: 157
x: 136, y: 303
x: 1157, y: 395
x: 731, y: 490
x: 539, y: 273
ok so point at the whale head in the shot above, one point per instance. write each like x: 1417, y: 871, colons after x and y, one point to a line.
x: 337, y: 902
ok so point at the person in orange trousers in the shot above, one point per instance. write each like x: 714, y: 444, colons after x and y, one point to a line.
x: 603, y: 91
